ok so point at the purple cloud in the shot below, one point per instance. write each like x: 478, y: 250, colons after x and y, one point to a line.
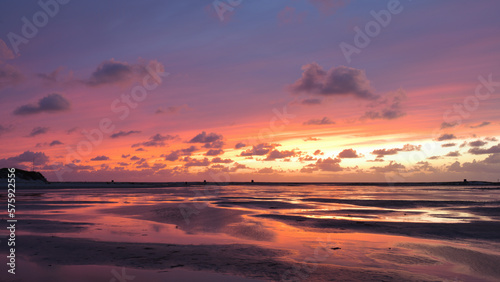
x: 52, y: 103
x: 339, y: 81
x: 38, y: 131
x: 323, y: 121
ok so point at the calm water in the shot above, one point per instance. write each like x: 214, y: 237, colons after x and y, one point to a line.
x: 254, y: 215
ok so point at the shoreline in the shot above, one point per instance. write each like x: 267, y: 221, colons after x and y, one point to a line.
x: 89, y: 185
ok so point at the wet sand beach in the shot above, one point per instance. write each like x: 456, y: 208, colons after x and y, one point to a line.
x: 259, y: 233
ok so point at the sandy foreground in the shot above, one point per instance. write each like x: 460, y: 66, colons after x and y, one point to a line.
x: 241, y: 260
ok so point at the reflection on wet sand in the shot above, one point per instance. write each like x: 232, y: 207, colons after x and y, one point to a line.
x: 267, y: 233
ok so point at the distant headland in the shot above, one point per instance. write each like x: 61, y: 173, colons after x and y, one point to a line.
x: 24, y: 175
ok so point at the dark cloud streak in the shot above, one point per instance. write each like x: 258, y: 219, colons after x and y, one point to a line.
x: 50, y: 104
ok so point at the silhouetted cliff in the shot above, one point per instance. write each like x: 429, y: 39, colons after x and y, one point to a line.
x: 23, y: 174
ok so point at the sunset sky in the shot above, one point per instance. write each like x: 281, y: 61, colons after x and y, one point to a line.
x: 241, y: 90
